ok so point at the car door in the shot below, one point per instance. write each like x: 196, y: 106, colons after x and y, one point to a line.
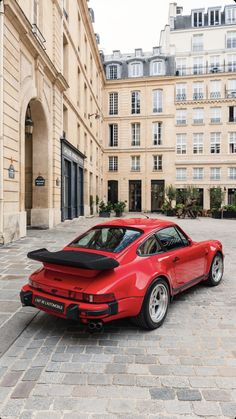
x: 187, y: 258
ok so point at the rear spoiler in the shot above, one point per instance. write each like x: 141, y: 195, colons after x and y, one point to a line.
x: 75, y: 259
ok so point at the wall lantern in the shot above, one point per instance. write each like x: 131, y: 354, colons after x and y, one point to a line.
x: 58, y: 181
x: 11, y: 170
x: 29, y: 125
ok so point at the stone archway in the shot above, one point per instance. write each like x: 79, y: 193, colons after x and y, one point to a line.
x: 37, y: 165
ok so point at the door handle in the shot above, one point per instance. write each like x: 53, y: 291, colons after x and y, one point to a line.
x: 175, y: 259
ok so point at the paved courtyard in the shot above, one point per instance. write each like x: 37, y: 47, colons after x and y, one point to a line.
x: 51, y: 368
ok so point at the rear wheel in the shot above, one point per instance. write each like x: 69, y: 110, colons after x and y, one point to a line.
x: 216, y: 271
x: 155, y: 306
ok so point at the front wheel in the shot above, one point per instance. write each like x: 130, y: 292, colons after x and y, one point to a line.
x: 216, y: 271
x: 155, y: 306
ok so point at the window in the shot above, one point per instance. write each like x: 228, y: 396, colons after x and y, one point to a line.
x: 181, y: 173
x: 157, y: 100
x: 232, y: 142
x: 197, y: 18
x: 108, y: 239
x: 181, y: 91
x: 113, y: 135
x: 149, y: 247
x: 135, y: 102
x: 135, y: 133
x: 230, y: 15
x: 232, y: 113
x: 215, y: 89
x: 135, y: 163
x: 157, y: 133
x: 181, y: 116
x: 157, y: 68
x: 198, y: 143
x: 232, y: 173
x: 214, y: 63
x: 181, y: 144
x: 112, y: 72
x: 215, y: 173
x: 215, y: 115
x: 232, y: 63
x: 198, y: 65
x: 198, y: 115
x: 171, y: 239
x: 197, y: 173
x: 113, y: 163
x: 135, y: 69
x: 181, y: 67
x: 113, y: 103
x: 197, y: 90
x: 231, y: 88
x: 157, y: 163
x: 214, y: 17
x: 231, y: 40
x: 215, y: 142
x: 197, y: 43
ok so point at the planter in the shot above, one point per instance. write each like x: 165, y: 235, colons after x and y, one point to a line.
x: 170, y: 213
x: 104, y: 214
x: 229, y: 214
x: 216, y: 214
x: 119, y: 213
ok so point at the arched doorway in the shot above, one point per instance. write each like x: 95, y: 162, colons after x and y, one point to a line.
x: 36, y: 165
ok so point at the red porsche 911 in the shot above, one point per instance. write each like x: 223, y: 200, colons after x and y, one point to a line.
x: 122, y: 268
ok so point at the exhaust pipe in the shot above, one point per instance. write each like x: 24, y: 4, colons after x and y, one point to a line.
x: 95, y: 326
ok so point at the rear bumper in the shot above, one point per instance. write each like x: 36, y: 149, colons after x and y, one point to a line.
x: 69, y: 309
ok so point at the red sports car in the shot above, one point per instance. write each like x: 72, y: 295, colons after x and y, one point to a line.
x: 122, y: 268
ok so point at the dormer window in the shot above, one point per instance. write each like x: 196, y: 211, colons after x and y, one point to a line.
x: 230, y: 15
x: 157, y: 68
x: 138, y: 52
x: 214, y: 17
x: 136, y: 69
x: 113, y: 71
x: 198, y: 18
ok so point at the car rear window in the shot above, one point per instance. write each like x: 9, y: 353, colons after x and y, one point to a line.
x: 108, y: 239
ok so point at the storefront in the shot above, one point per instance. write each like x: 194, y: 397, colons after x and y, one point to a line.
x: 72, y: 176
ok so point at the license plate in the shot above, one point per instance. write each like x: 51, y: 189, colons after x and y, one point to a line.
x: 49, y: 304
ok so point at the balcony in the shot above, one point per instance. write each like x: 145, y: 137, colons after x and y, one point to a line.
x: 209, y: 68
x: 198, y: 96
x: 180, y: 97
x: 231, y: 93
x: 215, y: 95
x: 181, y: 122
x: 198, y: 121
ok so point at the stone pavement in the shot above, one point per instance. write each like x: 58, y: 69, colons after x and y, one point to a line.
x: 52, y: 368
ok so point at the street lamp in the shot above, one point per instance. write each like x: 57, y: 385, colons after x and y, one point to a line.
x: 29, y: 125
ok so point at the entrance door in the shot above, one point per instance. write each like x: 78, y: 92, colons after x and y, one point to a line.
x: 157, y: 194
x: 135, y: 195
x: 80, y: 192
x: 112, y: 191
x: 67, y: 189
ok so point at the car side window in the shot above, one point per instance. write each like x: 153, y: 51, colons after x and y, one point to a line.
x: 183, y: 237
x: 170, y: 238
x: 149, y: 247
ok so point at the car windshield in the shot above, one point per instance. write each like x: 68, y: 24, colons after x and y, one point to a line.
x: 108, y: 239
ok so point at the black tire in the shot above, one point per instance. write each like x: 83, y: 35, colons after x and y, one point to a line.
x: 216, y: 273
x: 144, y: 319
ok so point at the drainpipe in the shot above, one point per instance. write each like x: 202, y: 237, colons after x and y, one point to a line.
x: 1, y: 119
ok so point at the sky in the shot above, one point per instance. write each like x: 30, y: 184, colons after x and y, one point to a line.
x: 130, y: 24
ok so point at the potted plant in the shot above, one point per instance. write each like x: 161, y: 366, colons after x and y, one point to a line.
x: 105, y: 209
x: 119, y: 207
x: 91, y: 202
x: 167, y: 207
x: 216, y: 199
x: 229, y: 211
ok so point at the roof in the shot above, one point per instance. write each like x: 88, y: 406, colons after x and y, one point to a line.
x: 145, y: 224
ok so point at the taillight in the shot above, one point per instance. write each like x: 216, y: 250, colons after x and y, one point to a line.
x: 99, y: 298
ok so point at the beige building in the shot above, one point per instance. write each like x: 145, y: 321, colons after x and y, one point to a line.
x: 192, y: 76
x: 51, y: 82
x: 76, y: 126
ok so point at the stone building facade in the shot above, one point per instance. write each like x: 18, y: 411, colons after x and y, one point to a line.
x: 77, y: 126
x: 51, y: 81
x: 183, y: 130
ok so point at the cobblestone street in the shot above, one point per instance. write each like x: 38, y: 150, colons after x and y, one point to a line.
x: 52, y: 368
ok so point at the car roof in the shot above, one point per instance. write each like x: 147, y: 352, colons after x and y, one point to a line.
x: 145, y: 224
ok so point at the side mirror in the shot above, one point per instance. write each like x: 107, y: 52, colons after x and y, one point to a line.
x: 189, y: 241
